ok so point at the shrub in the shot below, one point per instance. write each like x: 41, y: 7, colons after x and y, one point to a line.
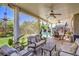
x: 10, y: 42
x: 1, y: 34
x: 9, y: 34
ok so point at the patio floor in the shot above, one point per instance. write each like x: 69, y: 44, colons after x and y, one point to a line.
x: 60, y: 45
x: 64, y: 47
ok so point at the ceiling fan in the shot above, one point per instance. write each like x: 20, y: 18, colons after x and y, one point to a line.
x: 52, y: 14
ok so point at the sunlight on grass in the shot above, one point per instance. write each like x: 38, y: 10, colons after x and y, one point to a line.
x: 4, y: 40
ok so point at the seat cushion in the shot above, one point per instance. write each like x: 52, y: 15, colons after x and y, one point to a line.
x: 77, y: 41
x: 23, y: 52
x: 40, y: 42
x: 14, y: 54
x: 32, y: 39
x: 38, y: 38
x: 77, y: 52
x: 69, y: 47
x: 5, y: 50
x: 65, y: 54
x: 31, y: 45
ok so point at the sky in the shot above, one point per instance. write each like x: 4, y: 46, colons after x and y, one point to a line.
x: 10, y: 14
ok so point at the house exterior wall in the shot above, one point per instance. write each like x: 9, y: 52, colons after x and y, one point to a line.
x: 76, y: 24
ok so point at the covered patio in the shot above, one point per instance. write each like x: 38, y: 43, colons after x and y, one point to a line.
x: 57, y: 35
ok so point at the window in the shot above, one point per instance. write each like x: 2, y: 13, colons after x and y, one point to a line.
x: 28, y: 24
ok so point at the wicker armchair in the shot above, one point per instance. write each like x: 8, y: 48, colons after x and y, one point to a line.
x: 35, y: 42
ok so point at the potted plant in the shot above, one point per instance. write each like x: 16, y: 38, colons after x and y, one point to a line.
x: 23, y: 42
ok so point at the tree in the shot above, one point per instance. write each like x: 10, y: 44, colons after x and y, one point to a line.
x: 10, y: 25
x: 0, y: 24
x: 9, y: 28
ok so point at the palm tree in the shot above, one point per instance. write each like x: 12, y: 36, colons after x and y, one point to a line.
x: 4, y: 21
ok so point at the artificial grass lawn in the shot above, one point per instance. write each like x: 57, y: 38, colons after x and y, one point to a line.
x: 4, y: 40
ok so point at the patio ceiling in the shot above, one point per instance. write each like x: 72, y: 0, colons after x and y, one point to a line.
x: 43, y: 9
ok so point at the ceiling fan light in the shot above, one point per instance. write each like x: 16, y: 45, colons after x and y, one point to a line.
x: 51, y: 10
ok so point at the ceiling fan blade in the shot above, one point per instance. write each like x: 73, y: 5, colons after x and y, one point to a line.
x: 54, y: 16
x: 57, y: 14
x: 48, y: 17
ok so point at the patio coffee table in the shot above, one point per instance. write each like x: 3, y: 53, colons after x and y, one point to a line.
x: 48, y: 47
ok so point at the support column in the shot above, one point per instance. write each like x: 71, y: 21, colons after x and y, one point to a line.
x: 16, y: 24
x: 39, y: 25
x: 51, y: 30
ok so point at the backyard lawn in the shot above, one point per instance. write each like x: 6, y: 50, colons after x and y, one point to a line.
x: 4, y: 40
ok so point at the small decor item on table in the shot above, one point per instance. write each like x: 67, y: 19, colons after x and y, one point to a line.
x: 68, y: 36
x: 56, y: 35
x: 61, y: 33
x: 69, y: 33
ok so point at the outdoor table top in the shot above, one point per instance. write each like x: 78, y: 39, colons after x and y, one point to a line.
x: 48, y: 47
